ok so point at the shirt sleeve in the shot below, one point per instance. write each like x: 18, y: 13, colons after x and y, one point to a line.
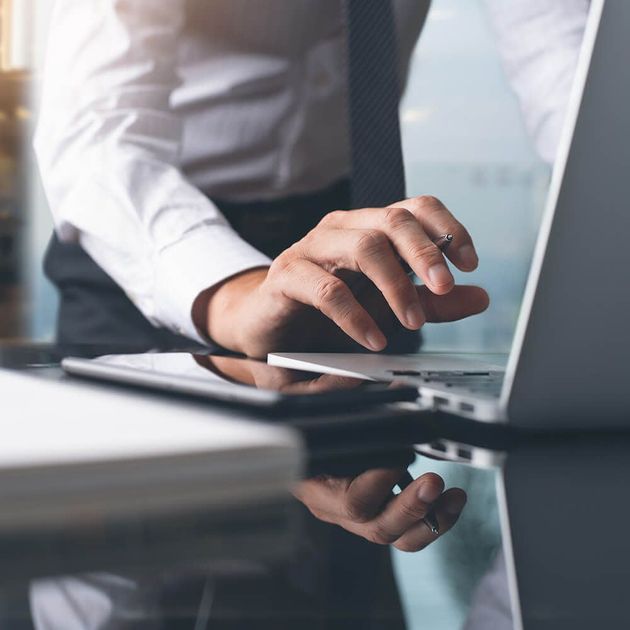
x: 108, y: 146
x: 540, y: 41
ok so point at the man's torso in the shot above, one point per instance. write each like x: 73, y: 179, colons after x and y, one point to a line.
x: 263, y: 97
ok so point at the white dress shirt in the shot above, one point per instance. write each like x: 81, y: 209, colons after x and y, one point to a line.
x: 151, y: 108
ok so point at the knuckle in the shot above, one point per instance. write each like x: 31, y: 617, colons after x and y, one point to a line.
x: 283, y: 265
x: 307, y: 244
x: 397, y: 218
x: 330, y: 291
x: 358, y: 510
x: 288, y: 257
x: 380, y: 535
x: 427, y: 252
x: 318, y: 513
x: 332, y: 218
x: 371, y: 242
x: 429, y: 202
x: 411, y: 511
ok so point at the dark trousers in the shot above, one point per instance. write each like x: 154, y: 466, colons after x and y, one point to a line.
x: 337, y: 580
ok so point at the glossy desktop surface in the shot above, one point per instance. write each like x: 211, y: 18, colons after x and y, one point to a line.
x: 557, y: 510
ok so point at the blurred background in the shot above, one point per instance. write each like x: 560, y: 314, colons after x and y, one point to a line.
x: 13, y: 128
x: 27, y: 301
x: 464, y: 141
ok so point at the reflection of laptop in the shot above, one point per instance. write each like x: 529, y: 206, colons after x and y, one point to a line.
x: 570, y: 359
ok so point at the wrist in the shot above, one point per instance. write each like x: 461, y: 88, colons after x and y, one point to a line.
x: 217, y: 311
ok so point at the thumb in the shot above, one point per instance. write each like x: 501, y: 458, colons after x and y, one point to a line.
x: 463, y: 301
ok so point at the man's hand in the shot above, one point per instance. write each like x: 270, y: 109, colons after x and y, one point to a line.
x: 313, y: 290
x: 365, y: 506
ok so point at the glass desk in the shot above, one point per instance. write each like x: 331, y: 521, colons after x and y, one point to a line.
x: 560, y: 499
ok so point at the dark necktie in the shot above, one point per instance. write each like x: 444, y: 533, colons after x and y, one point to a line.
x: 378, y: 178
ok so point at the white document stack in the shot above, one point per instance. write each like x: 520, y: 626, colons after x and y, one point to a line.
x: 71, y: 452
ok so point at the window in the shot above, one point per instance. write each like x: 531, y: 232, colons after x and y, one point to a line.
x: 16, y: 41
x: 465, y: 142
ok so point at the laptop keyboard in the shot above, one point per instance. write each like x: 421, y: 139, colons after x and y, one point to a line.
x: 483, y: 383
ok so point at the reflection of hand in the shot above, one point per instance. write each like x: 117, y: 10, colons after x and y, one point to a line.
x: 264, y: 376
x: 365, y: 506
x: 301, y: 302
x: 294, y: 382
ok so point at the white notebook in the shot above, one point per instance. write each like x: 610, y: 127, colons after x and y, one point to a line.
x: 73, y: 450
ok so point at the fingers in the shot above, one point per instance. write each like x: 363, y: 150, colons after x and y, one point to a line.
x: 306, y: 282
x: 366, y: 507
x: 412, y: 225
x: 367, y: 494
x: 436, y: 220
x: 401, y: 520
x: 371, y: 242
x: 323, y: 383
x: 408, y: 238
x: 370, y: 253
x: 463, y: 301
x: 446, y: 511
x: 407, y: 509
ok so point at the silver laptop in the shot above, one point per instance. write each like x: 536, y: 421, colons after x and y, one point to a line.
x: 569, y: 366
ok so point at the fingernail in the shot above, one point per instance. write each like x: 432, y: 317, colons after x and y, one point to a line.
x: 454, y: 503
x: 415, y: 316
x: 440, y: 276
x: 376, y: 341
x: 428, y: 493
x: 468, y: 256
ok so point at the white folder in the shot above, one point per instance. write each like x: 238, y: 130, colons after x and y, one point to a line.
x: 73, y: 451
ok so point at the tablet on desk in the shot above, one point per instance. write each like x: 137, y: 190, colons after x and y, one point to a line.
x: 238, y: 381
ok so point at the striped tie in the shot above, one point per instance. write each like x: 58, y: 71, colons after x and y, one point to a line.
x: 378, y: 177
